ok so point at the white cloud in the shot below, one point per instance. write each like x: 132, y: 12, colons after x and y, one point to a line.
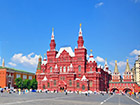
x: 29, y: 60
x: 120, y: 63
x: 136, y: 1
x: 12, y: 64
x: 98, y: 4
x: 112, y: 63
x: 135, y: 52
x: 99, y: 59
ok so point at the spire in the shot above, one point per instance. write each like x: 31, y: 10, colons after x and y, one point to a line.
x: 91, y: 59
x: 116, y: 68
x: 105, y: 61
x: 44, y: 57
x: 39, y: 63
x: 80, y: 30
x: 3, y: 63
x: 106, y: 66
x: 52, y: 44
x: 91, y: 53
x: 80, y: 38
x: 127, y: 67
x: 52, y: 38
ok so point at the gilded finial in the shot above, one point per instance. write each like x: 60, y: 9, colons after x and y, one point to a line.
x: 44, y: 54
x: 105, y: 59
x: 91, y: 50
x: 115, y: 61
x: 127, y: 60
x: 52, y: 29
x: 80, y: 24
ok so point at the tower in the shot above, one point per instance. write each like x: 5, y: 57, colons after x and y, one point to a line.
x: 39, y: 64
x: 52, y: 44
x: 127, y: 75
x: 80, y: 38
x: 106, y: 66
x: 116, y: 77
x: 80, y: 54
x: 3, y: 63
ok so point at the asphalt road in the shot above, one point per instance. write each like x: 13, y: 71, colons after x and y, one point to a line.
x: 62, y: 99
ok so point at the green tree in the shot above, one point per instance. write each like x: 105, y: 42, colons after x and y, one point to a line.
x: 27, y: 84
x: 19, y: 83
x: 34, y: 84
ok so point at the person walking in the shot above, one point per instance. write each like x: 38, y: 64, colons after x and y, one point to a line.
x: 19, y: 91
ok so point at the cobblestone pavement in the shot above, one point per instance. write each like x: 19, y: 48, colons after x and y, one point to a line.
x: 62, y: 99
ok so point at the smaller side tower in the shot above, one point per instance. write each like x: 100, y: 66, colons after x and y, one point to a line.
x: 127, y: 75
x: 39, y: 65
x: 116, y: 77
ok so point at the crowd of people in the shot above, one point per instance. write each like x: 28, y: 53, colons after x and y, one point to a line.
x: 17, y: 91
x: 25, y: 91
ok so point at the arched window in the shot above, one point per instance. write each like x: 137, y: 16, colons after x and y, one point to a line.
x: 64, y: 69
x: 61, y: 69
x: 54, y: 82
x: 50, y: 69
x: 78, y: 85
x: 79, y: 68
x: 68, y: 68
x: 90, y: 68
x: 43, y: 86
x: 48, y: 84
x: 83, y: 87
x: 70, y: 82
x: 43, y: 70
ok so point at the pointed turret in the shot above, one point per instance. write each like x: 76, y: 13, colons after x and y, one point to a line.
x: 106, y: 66
x: 52, y: 44
x: 80, y: 30
x: 3, y: 63
x: 116, y: 76
x: 39, y: 63
x: 127, y: 67
x: 80, y: 38
x: 128, y: 75
x: 45, y: 59
x: 116, y: 68
x: 91, y: 59
x: 52, y: 38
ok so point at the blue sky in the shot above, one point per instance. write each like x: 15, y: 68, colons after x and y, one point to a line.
x: 111, y: 28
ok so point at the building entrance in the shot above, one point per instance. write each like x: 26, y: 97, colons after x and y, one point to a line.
x: 61, y: 88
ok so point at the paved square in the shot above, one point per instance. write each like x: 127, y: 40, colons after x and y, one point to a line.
x: 62, y: 99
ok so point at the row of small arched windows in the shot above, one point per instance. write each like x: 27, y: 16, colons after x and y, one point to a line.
x: 64, y: 69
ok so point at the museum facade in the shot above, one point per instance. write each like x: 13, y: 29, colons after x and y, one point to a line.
x: 71, y: 70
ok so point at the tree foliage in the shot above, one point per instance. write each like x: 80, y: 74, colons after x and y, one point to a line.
x: 19, y: 83
x: 34, y: 84
x: 26, y: 84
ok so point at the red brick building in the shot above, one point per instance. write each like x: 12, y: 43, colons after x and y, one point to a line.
x: 8, y: 76
x: 125, y: 84
x: 72, y: 71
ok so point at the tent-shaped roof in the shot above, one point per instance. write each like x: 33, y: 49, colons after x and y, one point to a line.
x: 68, y: 49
